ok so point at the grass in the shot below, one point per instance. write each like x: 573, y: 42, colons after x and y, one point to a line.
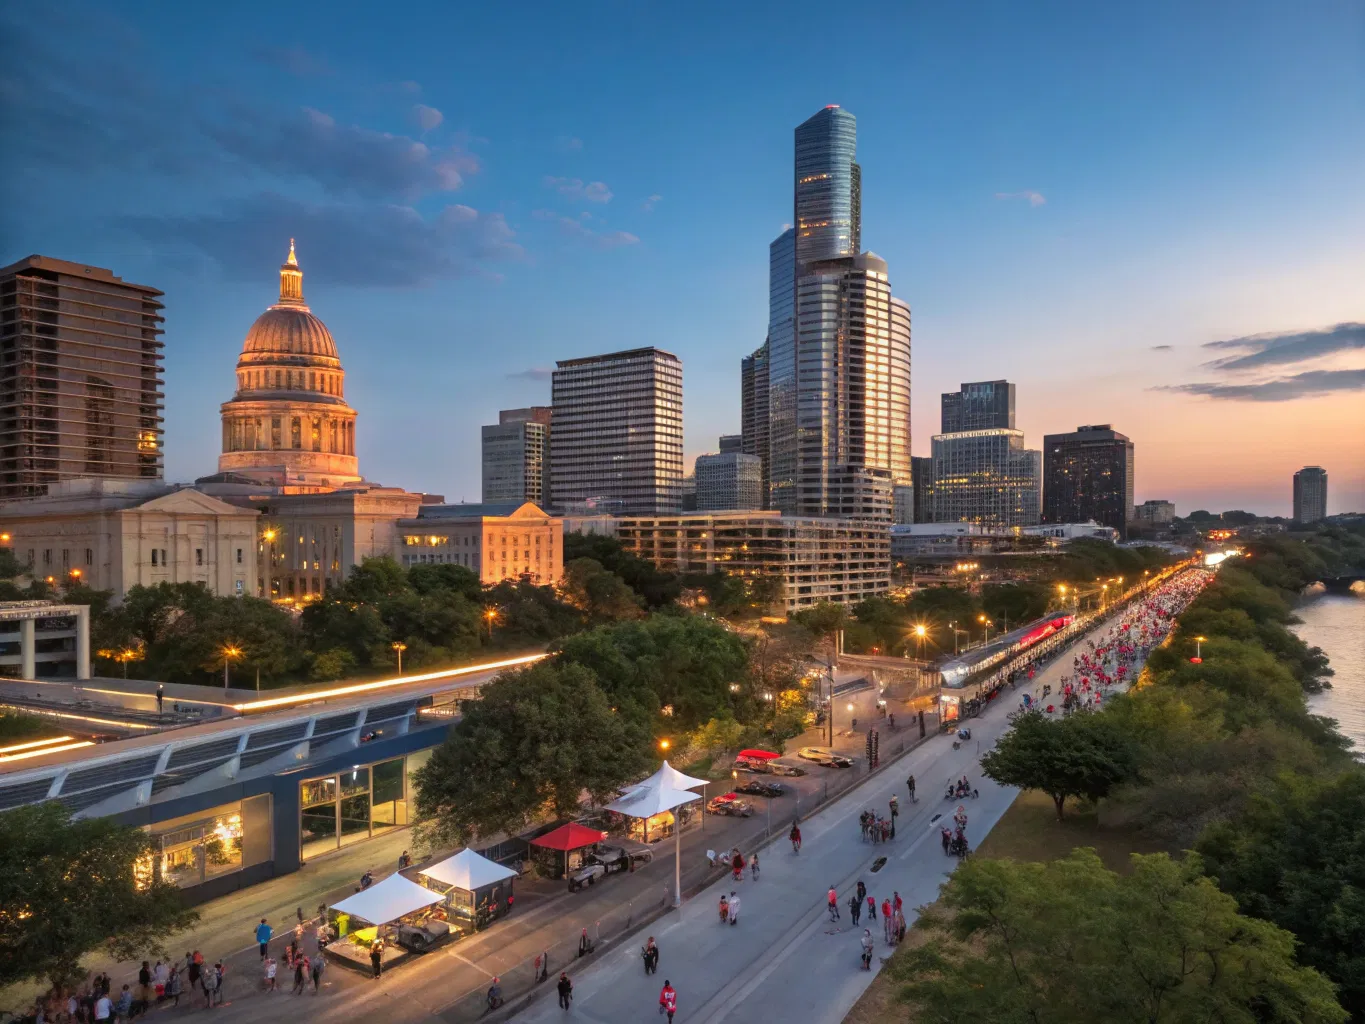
x: 1029, y: 831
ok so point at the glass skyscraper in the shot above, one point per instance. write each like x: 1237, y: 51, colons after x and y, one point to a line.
x: 828, y: 195
x: 781, y: 365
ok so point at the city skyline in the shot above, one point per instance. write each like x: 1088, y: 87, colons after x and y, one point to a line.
x: 1121, y: 259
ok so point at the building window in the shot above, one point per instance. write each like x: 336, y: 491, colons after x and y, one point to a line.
x: 239, y: 556
x: 198, y: 556
x: 275, y: 432
x: 89, y: 556
x: 194, y: 849
x: 154, y: 556
x: 295, y: 433
x: 317, y: 435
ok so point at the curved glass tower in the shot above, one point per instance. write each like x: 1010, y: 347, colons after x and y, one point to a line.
x: 828, y: 207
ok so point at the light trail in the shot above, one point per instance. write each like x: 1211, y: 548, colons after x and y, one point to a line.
x: 47, y: 750
x: 36, y: 743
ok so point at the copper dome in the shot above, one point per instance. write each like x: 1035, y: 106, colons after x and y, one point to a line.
x: 289, y: 330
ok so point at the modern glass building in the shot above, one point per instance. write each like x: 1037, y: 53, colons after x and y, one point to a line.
x: 516, y: 456
x: 986, y: 476
x: 983, y: 405
x: 781, y: 362
x: 1088, y: 474
x: 728, y: 481
x: 828, y: 192
x: 753, y: 401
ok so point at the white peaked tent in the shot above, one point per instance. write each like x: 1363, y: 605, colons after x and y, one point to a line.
x: 468, y: 870
x: 388, y: 900
x: 671, y: 778
x: 652, y: 797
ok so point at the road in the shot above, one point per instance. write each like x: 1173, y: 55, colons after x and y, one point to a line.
x: 784, y: 960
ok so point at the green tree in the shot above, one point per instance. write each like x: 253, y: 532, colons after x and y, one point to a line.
x: 529, y: 747
x: 67, y: 888
x: 1084, y: 755
x: 527, y: 613
x: 656, y: 587
x: 601, y: 595
x: 1070, y: 942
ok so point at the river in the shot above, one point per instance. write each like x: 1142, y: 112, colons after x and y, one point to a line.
x: 1336, y: 623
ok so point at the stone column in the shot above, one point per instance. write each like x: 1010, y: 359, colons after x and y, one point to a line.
x: 28, y: 648
x: 83, y: 642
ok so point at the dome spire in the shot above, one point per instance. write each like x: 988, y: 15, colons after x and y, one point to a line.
x: 291, y: 279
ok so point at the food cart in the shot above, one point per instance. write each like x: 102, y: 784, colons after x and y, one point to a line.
x: 476, y: 890
x: 559, y: 852
x: 401, y: 914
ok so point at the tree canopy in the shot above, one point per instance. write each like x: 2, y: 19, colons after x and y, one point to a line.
x: 1070, y: 942
x: 68, y: 888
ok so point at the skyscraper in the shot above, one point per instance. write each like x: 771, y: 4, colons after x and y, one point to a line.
x: 922, y: 470
x: 80, y: 384
x: 838, y: 345
x: 516, y: 456
x: 731, y: 443
x: 984, y: 405
x: 986, y: 476
x: 753, y: 400
x: 728, y: 481
x: 1310, y: 494
x: 1088, y: 474
x: 617, y: 441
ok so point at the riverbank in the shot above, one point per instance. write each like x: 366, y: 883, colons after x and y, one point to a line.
x: 1335, y: 623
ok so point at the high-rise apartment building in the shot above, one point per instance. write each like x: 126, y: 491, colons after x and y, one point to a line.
x: 753, y: 400
x: 617, y: 441
x: 1310, y: 494
x: 986, y: 476
x: 983, y: 405
x: 728, y: 481
x: 1088, y: 474
x: 516, y: 456
x: 80, y: 376
x: 1155, y: 512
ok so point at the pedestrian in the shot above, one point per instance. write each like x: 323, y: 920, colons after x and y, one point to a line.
x: 263, y: 937
x: 174, y: 984
x: 192, y: 969
x: 872, y: 908
x: 218, y: 971
x: 208, y: 981
x: 300, y: 974
x: 886, y: 919
x: 855, y: 909
x: 160, y: 697
x: 160, y: 973
x: 753, y: 867
x: 123, y: 1009
x: 270, y: 970
x: 900, y: 925
x: 867, y: 949
x: 565, y: 988
x: 862, y: 891
x: 734, y: 910
x: 319, y: 965
x: 896, y: 901
x: 144, y: 988
x: 376, y: 954
x: 910, y: 785
x: 404, y: 860
x: 104, y: 1009
x: 737, y: 862
x: 668, y: 1000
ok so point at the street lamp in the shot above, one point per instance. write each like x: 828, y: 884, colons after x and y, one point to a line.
x: 490, y: 616
x: 1198, y: 650
x: 920, y: 633
x: 230, y: 654
x: 956, y: 631
x: 987, y: 624
x: 664, y: 745
x: 399, y: 647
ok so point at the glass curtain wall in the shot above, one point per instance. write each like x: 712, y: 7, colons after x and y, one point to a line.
x: 355, y: 804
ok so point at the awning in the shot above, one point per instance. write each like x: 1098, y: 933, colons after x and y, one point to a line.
x: 468, y: 870
x: 670, y: 778
x: 647, y: 801
x: 388, y: 900
x: 758, y: 755
x: 572, y: 836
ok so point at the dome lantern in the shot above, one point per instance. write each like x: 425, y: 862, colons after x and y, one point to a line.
x: 291, y: 279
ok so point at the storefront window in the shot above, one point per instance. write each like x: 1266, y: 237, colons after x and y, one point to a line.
x: 196, y: 850
x: 360, y: 802
x: 318, y: 832
x: 388, y: 803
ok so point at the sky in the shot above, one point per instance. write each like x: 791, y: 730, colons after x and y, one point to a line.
x: 1149, y: 215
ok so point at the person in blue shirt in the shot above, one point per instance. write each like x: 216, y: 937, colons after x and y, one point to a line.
x: 263, y: 937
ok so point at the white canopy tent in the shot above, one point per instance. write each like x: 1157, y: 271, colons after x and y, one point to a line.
x: 671, y: 778
x: 468, y: 870
x: 649, y: 798
x: 388, y: 900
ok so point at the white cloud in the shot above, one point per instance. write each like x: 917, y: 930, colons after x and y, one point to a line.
x: 576, y: 229
x: 578, y: 189
x: 649, y: 204
x: 427, y: 117
x: 1034, y: 198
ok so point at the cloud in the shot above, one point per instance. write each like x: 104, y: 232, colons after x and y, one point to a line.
x: 649, y: 204
x: 1162, y: 348
x: 574, y: 228
x: 1262, y: 350
x: 1034, y: 198
x: 534, y: 373
x: 577, y: 189
x: 294, y: 59
x: 1285, y: 389
x: 354, y: 244
x: 569, y: 144
x: 427, y: 117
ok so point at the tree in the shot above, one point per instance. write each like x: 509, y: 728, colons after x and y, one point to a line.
x: 529, y: 747
x: 68, y: 888
x: 598, y: 593
x: 1083, y: 755
x: 1071, y: 942
x: 656, y: 587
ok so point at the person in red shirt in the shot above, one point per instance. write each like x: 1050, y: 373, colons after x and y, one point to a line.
x: 886, y: 919
x: 668, y: 1000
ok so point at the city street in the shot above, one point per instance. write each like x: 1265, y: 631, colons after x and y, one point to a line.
x: 785, y: 960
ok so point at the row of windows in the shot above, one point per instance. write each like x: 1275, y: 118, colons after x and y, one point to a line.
x: 290, y: 380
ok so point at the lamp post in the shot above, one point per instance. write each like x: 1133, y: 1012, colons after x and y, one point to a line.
x: 986, y: 625
x: 1198, y: 650
x: 399, y: 647
x: 490, y: 616
x: 230, y: 654
x: 920, y: 633
x: 956, y: 631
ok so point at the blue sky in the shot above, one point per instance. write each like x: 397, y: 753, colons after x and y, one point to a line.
x: 1061, y: 191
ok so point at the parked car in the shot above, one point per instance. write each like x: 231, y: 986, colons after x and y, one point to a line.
x: 761, y: 787
x: 731, y: 804
x: 828, y: 758
x: 588, y: 874
x: 787, y: 770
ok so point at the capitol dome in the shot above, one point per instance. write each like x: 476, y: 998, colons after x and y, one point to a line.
x: 288, y: 423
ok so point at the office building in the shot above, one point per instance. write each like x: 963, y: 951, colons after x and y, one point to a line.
x: 839, y: 560
x: 753, y: 404
x: 838, y: 348
x: 115, y: 534
x: 689, y: 493
x: 983, y: 405
x: 922, y: 471
x: 1088, y: 474
x: 288, y: 426
x: 80, y: 376
x: 44, y: 639
x: 1310, y: 494
x: 986, y: 476
x: 731, y: 443
x: 1155, y: 512
x: 927, y: 542
x: 498, y: 541
x: 516, y: 456
x: 617, y: 442
x: 727, y: 481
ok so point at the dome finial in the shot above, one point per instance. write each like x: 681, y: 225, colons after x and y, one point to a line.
x: 291, y: 279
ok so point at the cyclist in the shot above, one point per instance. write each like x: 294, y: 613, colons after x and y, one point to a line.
x: 795, y: 837
x: 833, y: 898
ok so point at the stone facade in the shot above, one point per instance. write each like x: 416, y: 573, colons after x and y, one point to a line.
x: 499, y: 542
